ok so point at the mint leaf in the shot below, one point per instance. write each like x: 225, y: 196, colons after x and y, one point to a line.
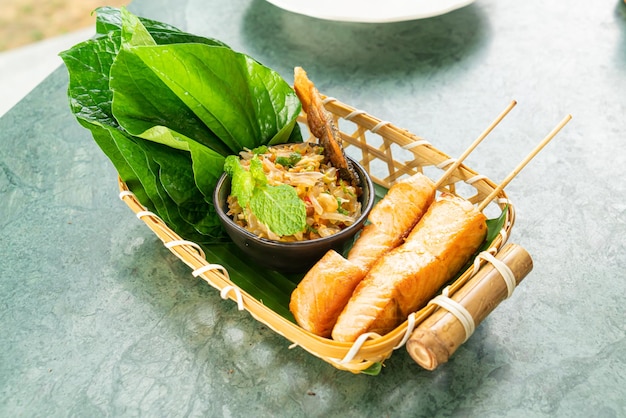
x: 257, y: 173
x: 242, y: 181
x: 232, y: 165
x: 280, y: 208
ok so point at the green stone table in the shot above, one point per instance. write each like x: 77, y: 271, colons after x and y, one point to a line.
x: 97, y: 318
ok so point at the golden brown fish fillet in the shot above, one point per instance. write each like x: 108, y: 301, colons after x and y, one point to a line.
x: 392, y: 219
x: 323, y: 292
x: 322, y: 126
x: 405, y: 279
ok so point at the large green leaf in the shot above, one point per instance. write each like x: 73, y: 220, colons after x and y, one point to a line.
x: 175, y: 175
x: 207, y: 168
x: 142, y: 104
x: 89, y: 64
x: 146, y: 170
x: 104, y: 137
x: 109, y: 19
x: 167, y: 178
x: 223, y: 89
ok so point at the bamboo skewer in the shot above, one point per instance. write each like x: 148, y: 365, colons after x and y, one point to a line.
x: 439, y: 335
x: 524, y: 162
x: 473, y: 145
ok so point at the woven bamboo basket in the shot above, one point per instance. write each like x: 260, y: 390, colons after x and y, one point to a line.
x: 388, y: 153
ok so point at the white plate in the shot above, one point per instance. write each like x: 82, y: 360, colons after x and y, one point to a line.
x: 370, y: 11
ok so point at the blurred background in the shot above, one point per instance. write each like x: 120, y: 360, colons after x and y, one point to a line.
x: 32, y: 33
x: 23, y: 22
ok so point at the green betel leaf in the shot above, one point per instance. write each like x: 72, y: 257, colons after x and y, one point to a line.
x: 134, y: 33
x: 242, y: 102
x: 184, y: 216
x: 176, y: 176
x: 207, y: 168
x: 109, y: 19
x: 143, y: 105
x: 280, y: 208
x: 89, y: 64
x: 104, y: 137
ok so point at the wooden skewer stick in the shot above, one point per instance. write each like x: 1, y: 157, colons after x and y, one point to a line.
x: 524, y: 162
x: 474, y: 144
x: 438, y: 337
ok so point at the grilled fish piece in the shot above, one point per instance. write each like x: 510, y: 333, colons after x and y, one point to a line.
x: 392, y: 218
x: 323, y: 127
x: 406, y: 278
x: 323, y: 293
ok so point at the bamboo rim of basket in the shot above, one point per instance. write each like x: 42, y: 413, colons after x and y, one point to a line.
x: 373, y: 350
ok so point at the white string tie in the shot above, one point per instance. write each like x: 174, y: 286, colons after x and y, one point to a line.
x: 354, y: 114
x: 357, y: 346
x: 379, y: 125
x: 143, y: 213
x: 505, y: 201
x: 415, y: 144
x: 126, y: 193
x: 409, y: 330
x: 328, y: 100
x: 476, y: 178
x: 476, y: 267
x: 180, y: 242
x: 208, y: 267
x: 492, y: 250
x: 457, y: 310
x: 446, y: 163
x: 501, y: 267
x: 504, y: 235
x: 224, y: 294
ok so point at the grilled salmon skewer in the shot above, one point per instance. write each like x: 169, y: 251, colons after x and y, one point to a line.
x: 326, y: 288
x: 392, y: 219
x: 403, y: 206
x: 406, y: 278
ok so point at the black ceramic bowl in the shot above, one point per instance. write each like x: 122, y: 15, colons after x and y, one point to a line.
x: 290, y: 257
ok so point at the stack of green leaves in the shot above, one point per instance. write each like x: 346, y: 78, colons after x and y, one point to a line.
x: 167, y: 107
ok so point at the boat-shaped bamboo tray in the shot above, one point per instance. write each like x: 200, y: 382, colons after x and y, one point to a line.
x: 388, y: 153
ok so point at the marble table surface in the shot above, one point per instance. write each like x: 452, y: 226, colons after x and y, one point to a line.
x: 97, y: 318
